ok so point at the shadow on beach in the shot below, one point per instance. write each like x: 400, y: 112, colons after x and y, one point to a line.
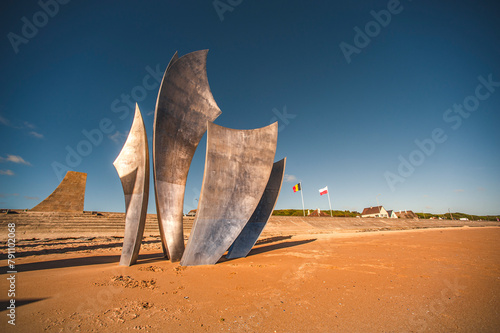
x: 82, y: 261
x: 77, y: 245
x: 19, y: 302
x: 273, y: 247
x: 283, y: 245
x: 74, y: 246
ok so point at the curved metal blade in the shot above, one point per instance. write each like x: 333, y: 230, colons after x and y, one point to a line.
x: 132, y: 165
x: 185, y: 104
x: 252, y: 230
x: 237, y: 168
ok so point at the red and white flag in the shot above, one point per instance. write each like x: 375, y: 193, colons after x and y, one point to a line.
x: 324, y: 190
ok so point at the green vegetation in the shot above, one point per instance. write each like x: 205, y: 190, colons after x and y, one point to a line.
x: 288, y: 212
x: 342, y: 213
x: 298, y: 212
x: 457, y: 216
x: 347, y: 213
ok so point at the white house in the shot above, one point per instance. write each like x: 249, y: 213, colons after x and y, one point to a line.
x: 378, y: 211
x: 392, y: 214
x: 407, y: 214
x: 192, y: 213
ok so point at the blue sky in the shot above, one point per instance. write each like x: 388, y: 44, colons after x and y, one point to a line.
x: 353, y: 86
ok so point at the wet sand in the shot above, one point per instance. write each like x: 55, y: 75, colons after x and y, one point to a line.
x: 433, y: 280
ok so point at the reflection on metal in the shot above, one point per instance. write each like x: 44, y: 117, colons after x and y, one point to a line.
x: 185, y: 104
x: 237, y: 168
x: 252, y: 230
x: 132, y: 165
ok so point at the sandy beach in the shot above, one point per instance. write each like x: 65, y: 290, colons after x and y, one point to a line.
x: 433, y: 280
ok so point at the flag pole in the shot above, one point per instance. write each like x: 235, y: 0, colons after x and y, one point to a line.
x: 329, y: 203
x: 303, y: 209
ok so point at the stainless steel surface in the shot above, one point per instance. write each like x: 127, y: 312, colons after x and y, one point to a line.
x: 237, y: 168
x: 185, y: 104
x: 252, y: 230
x: 132, y: 165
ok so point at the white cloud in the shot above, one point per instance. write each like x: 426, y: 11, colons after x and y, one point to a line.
x: 290, y: 178
x: 24, y: 126
x: 29, y: 125
x: 5, y: 121
x: 150, y: 113
x: 7, y: 172
x: 4, y: 195
x: 118, y: 137
x: 36, y: 135
x: 14, y: 159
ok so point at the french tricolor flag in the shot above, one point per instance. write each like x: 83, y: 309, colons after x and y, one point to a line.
x: 324, y: 190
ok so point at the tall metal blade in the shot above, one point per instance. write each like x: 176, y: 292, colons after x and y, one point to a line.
x: 185, y: 104
x: 252, y: 230
x: 237, y: 168
x: 132, y: 165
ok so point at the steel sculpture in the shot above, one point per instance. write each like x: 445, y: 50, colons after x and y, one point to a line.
x: 69, y: 195
x: 252, y: 230
x: 184, y: 105
x: 132, y: 165
x: 237, y: 168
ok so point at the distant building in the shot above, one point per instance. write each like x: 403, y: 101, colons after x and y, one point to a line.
x: 392, y: 214
x: 192, y: 213
x: 378, y: 211
x: 407, y: 214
